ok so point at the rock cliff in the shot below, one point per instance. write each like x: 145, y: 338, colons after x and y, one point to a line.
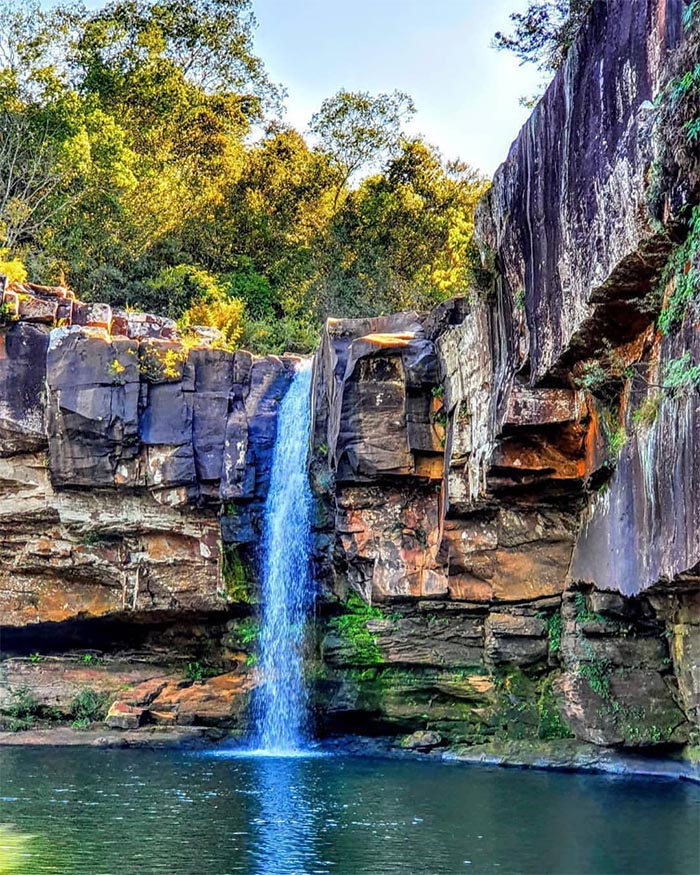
x: 509, y: 483
x: 133, y: 469
x: 507, y: 521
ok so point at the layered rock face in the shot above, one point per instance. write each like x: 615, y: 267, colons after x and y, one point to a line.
x: 507, y: 521
x: 124, y: 457
x: 509, y: 483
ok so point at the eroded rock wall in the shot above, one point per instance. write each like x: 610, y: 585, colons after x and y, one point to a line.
x: 133, y: 472
x: 524, y: 538
x: 507, y: 521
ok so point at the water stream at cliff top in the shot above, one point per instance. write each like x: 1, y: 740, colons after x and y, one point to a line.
x: 280, y: 706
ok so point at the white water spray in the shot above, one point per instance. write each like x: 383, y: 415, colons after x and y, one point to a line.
x: 281, y: 706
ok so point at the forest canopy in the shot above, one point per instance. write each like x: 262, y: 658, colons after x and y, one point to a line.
x: 143, y: 163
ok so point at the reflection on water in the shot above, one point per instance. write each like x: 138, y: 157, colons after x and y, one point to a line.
x: 287, y: 825
x: 13, y: 849
x: 117, y: 812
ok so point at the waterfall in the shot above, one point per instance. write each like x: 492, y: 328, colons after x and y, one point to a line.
x: 280, y: 706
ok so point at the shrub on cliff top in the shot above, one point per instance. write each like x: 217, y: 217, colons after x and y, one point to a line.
x: 544, y: 33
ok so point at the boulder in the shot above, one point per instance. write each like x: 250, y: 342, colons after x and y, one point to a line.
x: 424, y: 740
x: 123, y: 716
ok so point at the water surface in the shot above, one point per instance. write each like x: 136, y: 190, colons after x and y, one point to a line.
x: 117, y: 812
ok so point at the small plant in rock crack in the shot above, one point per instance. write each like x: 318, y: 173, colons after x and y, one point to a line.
x: 681, y: 375
x: 7, y: 314
x: 647, y: 412
x: 198, y: 673
x: 89, y: 705
x: 195, y: 672
x: 116, y: 371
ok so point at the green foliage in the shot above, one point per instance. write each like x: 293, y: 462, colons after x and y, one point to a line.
x: 519, y: 299
x: 678, y: 117
x: 551, y: 724
x: 597, y: 673
x: 116, y: 371
x: 617, y: 438
x: 174, y: 289
x: 7, y: 315
x: 681, y: 375
x: 195, y: 672
x: 647, y: 412
x: 554, y: 632
x: 12, y: 268
x: 593, y: 377
x: 136, y: 181
x: 158, y: 364
x: 247, y: 631
x: 583, y: 612
x: 359, y: 129
x: 23, y: 709
x: 683, y: 271
x: 544, y: 33
x: 89, y: 706
x: 235, y: 575
x: 351, y: 627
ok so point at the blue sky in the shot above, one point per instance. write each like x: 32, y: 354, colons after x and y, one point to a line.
x: 439, y: 52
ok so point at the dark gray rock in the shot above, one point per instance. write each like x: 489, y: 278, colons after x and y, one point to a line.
x: 22, y: 389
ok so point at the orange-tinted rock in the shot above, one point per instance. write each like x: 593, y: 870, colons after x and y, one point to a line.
x: 219, y: 700
x: 123, y: 716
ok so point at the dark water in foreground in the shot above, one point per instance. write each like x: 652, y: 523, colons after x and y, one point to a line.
x: 113, y: 812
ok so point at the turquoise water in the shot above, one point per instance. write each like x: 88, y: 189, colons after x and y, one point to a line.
x: 287, y: 589
x: 118, y: 812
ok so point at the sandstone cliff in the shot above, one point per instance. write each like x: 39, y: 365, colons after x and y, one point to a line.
x: 511, y: 480
x: 507, y: 521
x: 133, y: 469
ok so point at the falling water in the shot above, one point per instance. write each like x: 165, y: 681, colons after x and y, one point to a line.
x: 287, y: 590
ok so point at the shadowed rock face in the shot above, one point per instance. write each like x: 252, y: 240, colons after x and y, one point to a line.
x: 645, y: 526
x: 566, y: 218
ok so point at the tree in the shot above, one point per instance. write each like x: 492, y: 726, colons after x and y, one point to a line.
x: 30, y: 176
x: 402, y: 239
x: 360, y: 130
x: 545, y: 31
x: 127, y: 171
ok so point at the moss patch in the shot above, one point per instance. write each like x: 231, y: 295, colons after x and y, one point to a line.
x: 351, y: 628
x: 236, y: 576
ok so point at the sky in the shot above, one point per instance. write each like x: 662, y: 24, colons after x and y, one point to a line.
x: 438, y: 51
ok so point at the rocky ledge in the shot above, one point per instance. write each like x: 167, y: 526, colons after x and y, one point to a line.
x: 133, y: 469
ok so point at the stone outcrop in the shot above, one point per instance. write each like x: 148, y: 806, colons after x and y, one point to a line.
x: 133, y: 470
x: 520, y: 510
x: 120, y: 446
